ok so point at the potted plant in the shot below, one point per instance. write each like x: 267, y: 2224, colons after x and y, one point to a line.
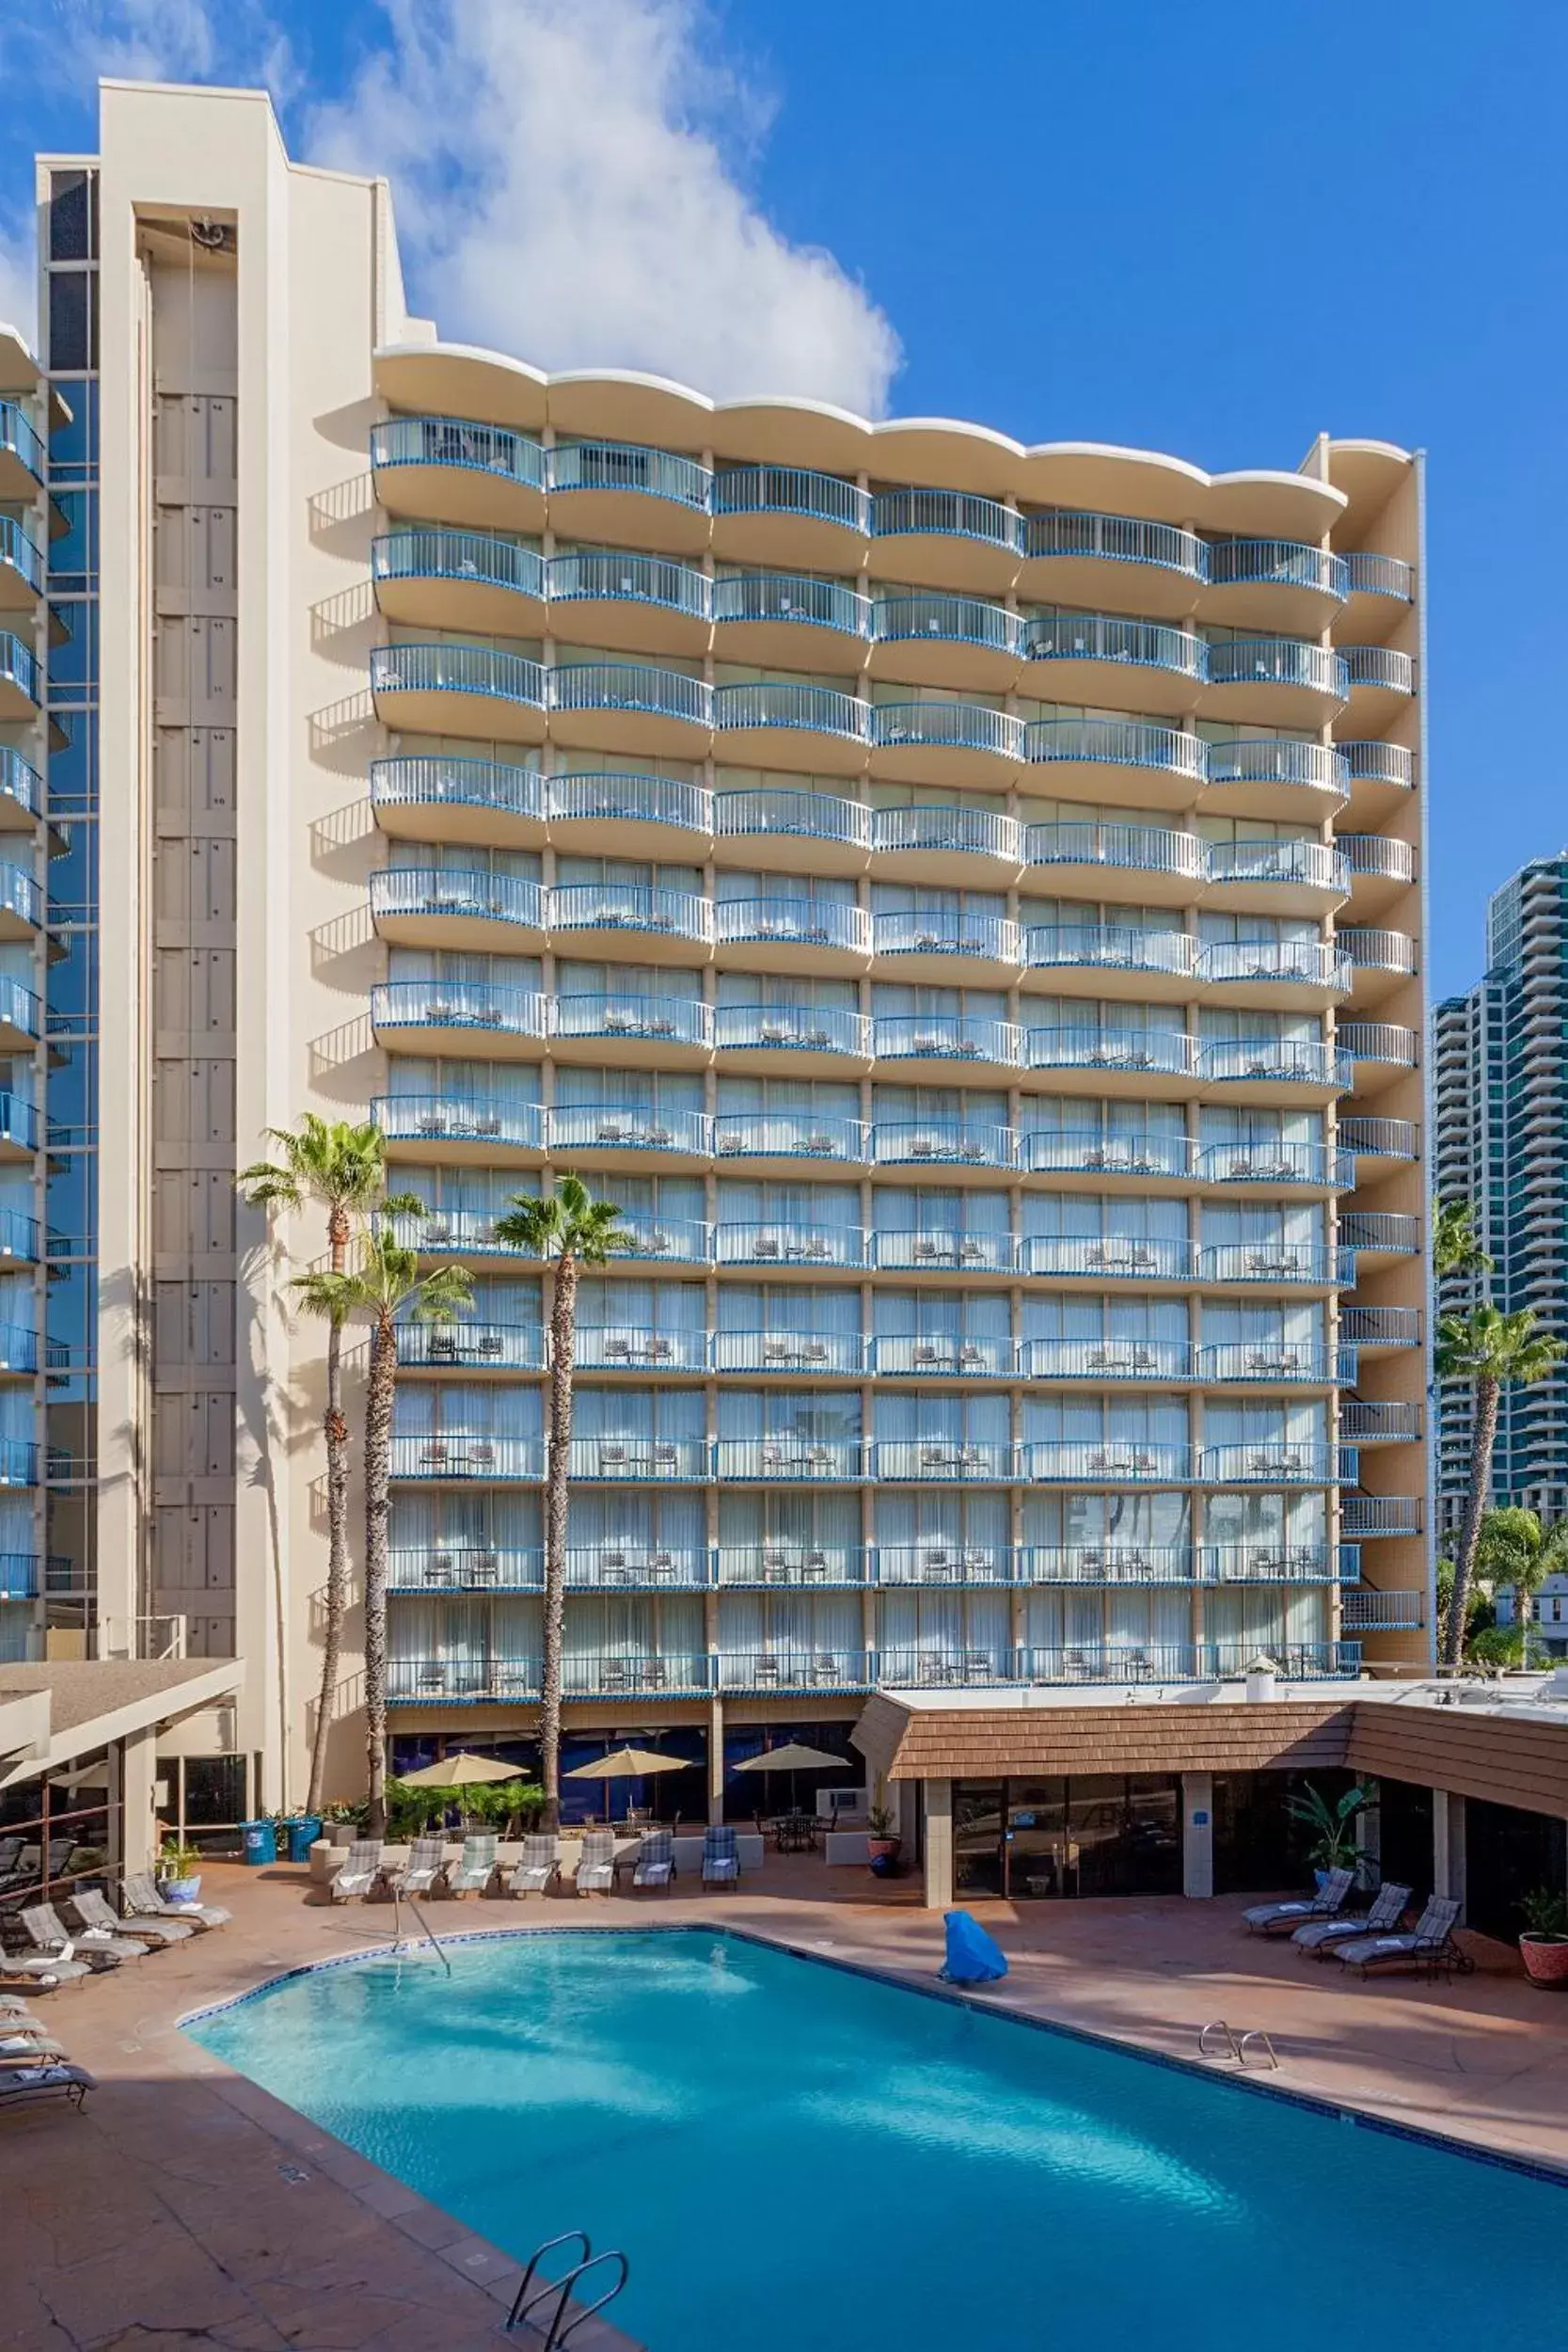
x: 341, y: 1823
x: 1332, y: 1842
x: 1544, y: 1944
x: 882, y: 1842
x: 179, y: 1880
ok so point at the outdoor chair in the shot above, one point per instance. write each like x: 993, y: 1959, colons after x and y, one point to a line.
x: 425, y: 1866
x: 1381, y: 1918
x: 361, y: 1872
x: 473, y: 1874
x: 1429, y: 1944
x: 41, y: 1971
x: 721, y: 1856
x: 1284, y: 1919
x: 656, y: 1859
x: 48, y: 1931
x: 141, y: 1895
x: 596, y: 1864
x: 21, y: 2036
x: 98, y: 1916
x: 539, y: 1866
x: 19, y: 2085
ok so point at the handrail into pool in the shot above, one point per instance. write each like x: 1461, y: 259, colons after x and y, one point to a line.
x: 523, y: 2303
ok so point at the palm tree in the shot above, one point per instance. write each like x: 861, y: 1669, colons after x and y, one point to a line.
x: 569, y: 1230
x: 387, y: 1283
x: 343, y: 1168
x: 1514, y: 1552
x: 1490, y: 1351
x: 1454, y: 1247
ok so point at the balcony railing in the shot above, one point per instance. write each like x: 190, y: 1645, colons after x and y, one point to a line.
x: 1381, y: 1229
x: 1381, y: 1326
x: 795, y: 1029
x: 453, y: 1118
x: 945, y: 513
x: 1205, y: 1661
x: 1371, y: 1611
x: 1381, y: 1138
x: 457, y: 1456
x: 1276, y: 1262
x: 794, y: 708
x: 937, y: 1562
x: 1311, y: 962
x: 1283, y: 1462
x: 768, y: 1670
x: 1366, y: 1516
x: 1087, y: 1152
x: 1315, y: 865
x: 1107, y: 1359
x: 786, y: 596
x: 1268, y: 1361
x: 440, y: 1569
x: 947, y: 1037
x: 1107, y: 1461
x: 587, y: 1126
x: 1372, y: 575
x: 476, y: 558
x: 1309, y: 1061
x: 16, y: 434
x: 1319, y: 767
x: 946, y: 620
x: 458, y: 1005
x: 1277, y: 563
x: 792, y: 490
x: 1376, y: 854
x: 1110, y: 1257
x: 649, y: 1567
x: 1118, y: 743
x: 1278, y: 661
x: 776, y: 1243
x: 809, y: 1460
x: 627, y: 1347
x: 619, y: 465
x: 19, y: 1575
x: 967, y: 832
x: 452, y: 441
x: 19, y: 554
x: 603, y: 576
x: 904, y: 1356
x: 1170, y: 1051
x: 942, y: 1143
x: 18, y: 781
x: 1369, y: 1421
x: 794, y: 816
x: 19, y: 1234
x: 1370, y: 950
x: 1105, y: 1564
x: 19, y: 1007
x: 906, y: 1249
x: 1277, y: 1162
x: 1110, y: 948
x: 665, y: 1240
x: 946, y: 726
x: 1381, y: 666
x: 21, y: 667
x: 1131, y: 848
x: 791, y: 1564
x: 588, y: 799
x: 1268, y: 1564
x: 511, y: 677
x: 945, y: 1669
x: 436, y: 1680
x: 1117, y: 539
x: 474, y: 897
x: 431, y: 780
x: 646, y: 1020
x: 804, y: 1134
x: 1379, y: 763
x: 635, y: 687
x: 613, y: 1677
x: 463, y: 1347
x: 817, y: 1354
x: 616, y: 906
x: 991, y: 938
x: 794, y: 922
x: 946, y: 1460
x: 644, y: 1459
x: 1106, y: 637
x: 1380, y: 1041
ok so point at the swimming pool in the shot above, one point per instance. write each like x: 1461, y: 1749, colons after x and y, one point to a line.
x: 797, y: 2159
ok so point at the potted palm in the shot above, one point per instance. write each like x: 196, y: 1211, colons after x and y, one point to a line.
x: 179, y: 1880
x: 1544, y: 1944
x: 882, y: 1842
x: 1331, y: 1828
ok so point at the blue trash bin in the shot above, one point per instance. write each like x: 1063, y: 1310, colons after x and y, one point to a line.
x: 303, y: 1834
x: 261, y: 1842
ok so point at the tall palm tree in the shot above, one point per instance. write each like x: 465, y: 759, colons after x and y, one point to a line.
x: 1490, y: 1351
x: 1514, y: 1552
x: 344, y: 1167
x: 568, y: 1229
x: 387, y: 1283
x: 1454, y: 1247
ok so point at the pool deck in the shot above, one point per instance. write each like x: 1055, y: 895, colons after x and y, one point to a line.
x: 187, y: 2206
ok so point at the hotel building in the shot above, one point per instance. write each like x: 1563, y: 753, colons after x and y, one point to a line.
x: 962, y: 900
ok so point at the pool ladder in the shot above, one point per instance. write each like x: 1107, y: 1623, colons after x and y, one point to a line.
x: 562, y: 2325
x: 1235, y: 2047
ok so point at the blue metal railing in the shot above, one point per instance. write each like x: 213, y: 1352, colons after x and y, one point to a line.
x: 942, y: 1250
x: 1266, y: 760
x: 1275, y: 1261
x: 1379, y: 665
x: 19, y: 1007
x: 629, y: 467
x: 458, y: 1005
x: 662, y: 1020
x: 1375, y: 950
x: 476, y: 895
x: 1376, y: 854
x: 801, y: 922
x: 968, y: 831
x: 1110, y: 948
x: 19, y: 782
x: 459, y: 1567
x: 467, y: 1347
x: 20, y: 894
x: 1139, y: 849
x: 992, y: 938
x: 803, y: 709
x: 1373, y: 575
x: 486, y: 670
x: 946, y: 726
x: 945, y: 513
x: 948, y: 1037
x: 630, y: 906
x: 1278, y: 661
x: 1092, y: 1151
x: 635, y: 1348
x: 1106, y: 637
x: 454, y: 441
x: 19, y: 1575
x: 1108, y: 1257
x: 452, y: 1453
x: 1278, y: 564
x: 805, y: 1135
x: 1315, y: 864
x: 19, y: 1348
x: 1170, y: 1051
x: 17, y: 436
x: 781, y: 1243
x: 459, y: 1118
x: 1272, y: 1462
x: 19, y: 552
x: 980, y: 1461
x: 1107, y: 1359
x: 1304, y: 1060
x: 791, y: 1457
x: 631, y: 686
x: 787, y: 596
x: 1380, y: 1041
x: 605, y: 1126
x: 629, y: 799
x: 426, y: 779
x: 19, y: 1462
x: 19, y: 1121
x: 19, y: 1234
x: 942, y: 1143
x: 942, y: 1356
x: 1107, y: 1461
x: 795, y: 1029
x: 1267, y: 1361
x: 802, y: 816
x: 946, y: 620
x: 1314, y: 962
x: 1379, y: 763
x: 1117, y: 743
x: 18, y: 664
x: 819, y: 1354
x: 1276, y: 1161
x: 1117, y: 539
x: 607, y: 576
x: 477, y: 557
x: 792, y: 490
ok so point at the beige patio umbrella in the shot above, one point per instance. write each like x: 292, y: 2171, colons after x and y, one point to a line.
x: 626, y: 1764
x: 460, y: 1772
x: 795, y: 1756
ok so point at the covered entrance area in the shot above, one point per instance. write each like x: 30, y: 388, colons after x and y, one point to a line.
x: 1067, y: 1835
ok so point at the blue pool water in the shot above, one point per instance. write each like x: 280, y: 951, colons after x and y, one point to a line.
x: 798, y: 2160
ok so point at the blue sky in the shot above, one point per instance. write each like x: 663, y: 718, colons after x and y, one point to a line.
x: 1213, y: 230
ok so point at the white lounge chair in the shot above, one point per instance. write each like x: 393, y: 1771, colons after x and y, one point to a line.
x: 539, y: 1866
x: 473, y: 1874
x: 1282, y: 1918
x: 361, y: 1872
x: 20, y: 2043
x: 656, y: 1859
x: 96, y: 1913
x: 51, y: 1934
x: 425, y: 1866
x: 1430, y: 1945
x: 143, y: 1898
x: 43, y: 1971
x: 597, y: 1864
x: 1381, y: 1918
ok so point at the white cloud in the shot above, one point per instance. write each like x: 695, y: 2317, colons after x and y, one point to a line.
x: 565, y: 182
x: 18, y: 287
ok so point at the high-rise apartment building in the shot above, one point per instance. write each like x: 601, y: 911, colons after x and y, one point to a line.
x: 963, y: 901
x: 1501, y: 1107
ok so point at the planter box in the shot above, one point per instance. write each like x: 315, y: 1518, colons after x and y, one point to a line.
x: 1546, y: 1959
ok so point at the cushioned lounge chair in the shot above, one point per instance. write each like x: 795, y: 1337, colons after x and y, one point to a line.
x: 361, y: 1872
x: 656, y: 1859
x: 1429, y: 1944
x: 538, y: 1868
x: 720, y: 1855
x: 1284, y: 1919
x: 51, y: 2078
x: 96, y: 1913
x: 471, y: 1875
x: 22, y: 2042
x: 425, y: 1867
x: 49, y: 1933
x: 597, y: 1864
x: 1379, y: 1918
x: 40, y: 1971
x: 142, y: 1897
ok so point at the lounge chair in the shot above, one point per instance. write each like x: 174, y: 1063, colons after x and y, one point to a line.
x: 361, y: 1872
x: 425, y: 1866
x: 1429, y: 1944
x: 596, y: 1864
x: 720, y: 1855
x: 49, y: 1933
x: 19, y: 2083
x: 1284, y: 1919
x: 473, y: 1873
x: 656, y: 1859
x: 41, y: 1972
x: 143, y: 1898
x: 1385, y: 1913
x: 97, y: 1914
x: 21, y: 2040
x: 539, y: 1866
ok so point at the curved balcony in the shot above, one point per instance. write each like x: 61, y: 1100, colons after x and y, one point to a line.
x: 1275, y: 583
x: 628, y: 706
x: 439, y: 579
x: 818, y: 1137
x: 1086, y: 657
x: 1090, y: 1151
x: 675, y: 1032
x: 1380, y: 869
x: 1381, y: 682
x: 21, y: 679
x: 1115, y: 1360
x: 1379, y: 1043
x: 460, y: 1127
x: 1277, y: 1162
x: 430, y: 797
x: 20, y: 1017
x: 19, y: 1348
x: 1109, y: 1258
x: 1269, y: 776
x: 1282, y: 1462
x: 948, y: 1045
x: 1277, y: 877
x: 1129, y: 760
x: 945, y: 1144
x: 1070, y: 558
x: 945, y: 945
x: 788, y: 935
x: 1380, y: 1138
x: 1106, y: 1462
x: 431, y: 906
x: 821, y: 1355
x: 21, y: 792
x: 813, y: 833
x: 937, y: 742
x: 1105, y: 1564
x: 625, y: 1137
x: 454, y: 1457
x: 1372, y: 1330
x: 1078, y: 956
x: 1268, y: 1363
x: 1362, y: 1517
x: 1380, y: 1233
x: 21, y: 569
x: 1372, y: 574
x: 1384, y: 1422
x: 458, y: 1568
x: 625, y: 1347
x: 1279, y: 680
x: 810, y: 1460
x: 22, y: 904
x: 948, y: 845
x: 790, y: 1036
x: 1132, y: 1055
x: 643, y: 921
x: 23, y: 459
x: 459, y: 689
x: 1275, y: 971
x: 665, y: 1240
x: 1379, y: 775
x: 19, y: 1236
x: 943, y: 1461
x: 445, y: 469
x: 1266, y: 1265
x: 1379, y: 960
x: 790, y: 515
x: 936, y: 1563
x: 616, y: 491
x: 424, y: 1017
x: 786, y: 621
x: 1168, y: 865
x: 922, y: 1251
x: 638, y: 603
x: 781, y: 1244
x: 775, y: 724
x: 650, y: 1460
x: 451, y: 1681
x: 472, y: 1346
x: 628, y: 816
x: 935, y: 640
x: 19, y: 1462
x: 1266, y: 1062
x: 19, y: 1127
x: 946, y: 539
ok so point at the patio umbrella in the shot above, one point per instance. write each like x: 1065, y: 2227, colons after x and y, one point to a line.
x: 626, y: 1764
x: 795, y: 1756
x: 459, y: 1772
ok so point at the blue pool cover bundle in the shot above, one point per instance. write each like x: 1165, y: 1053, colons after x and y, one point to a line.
x: 973, y: 1956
